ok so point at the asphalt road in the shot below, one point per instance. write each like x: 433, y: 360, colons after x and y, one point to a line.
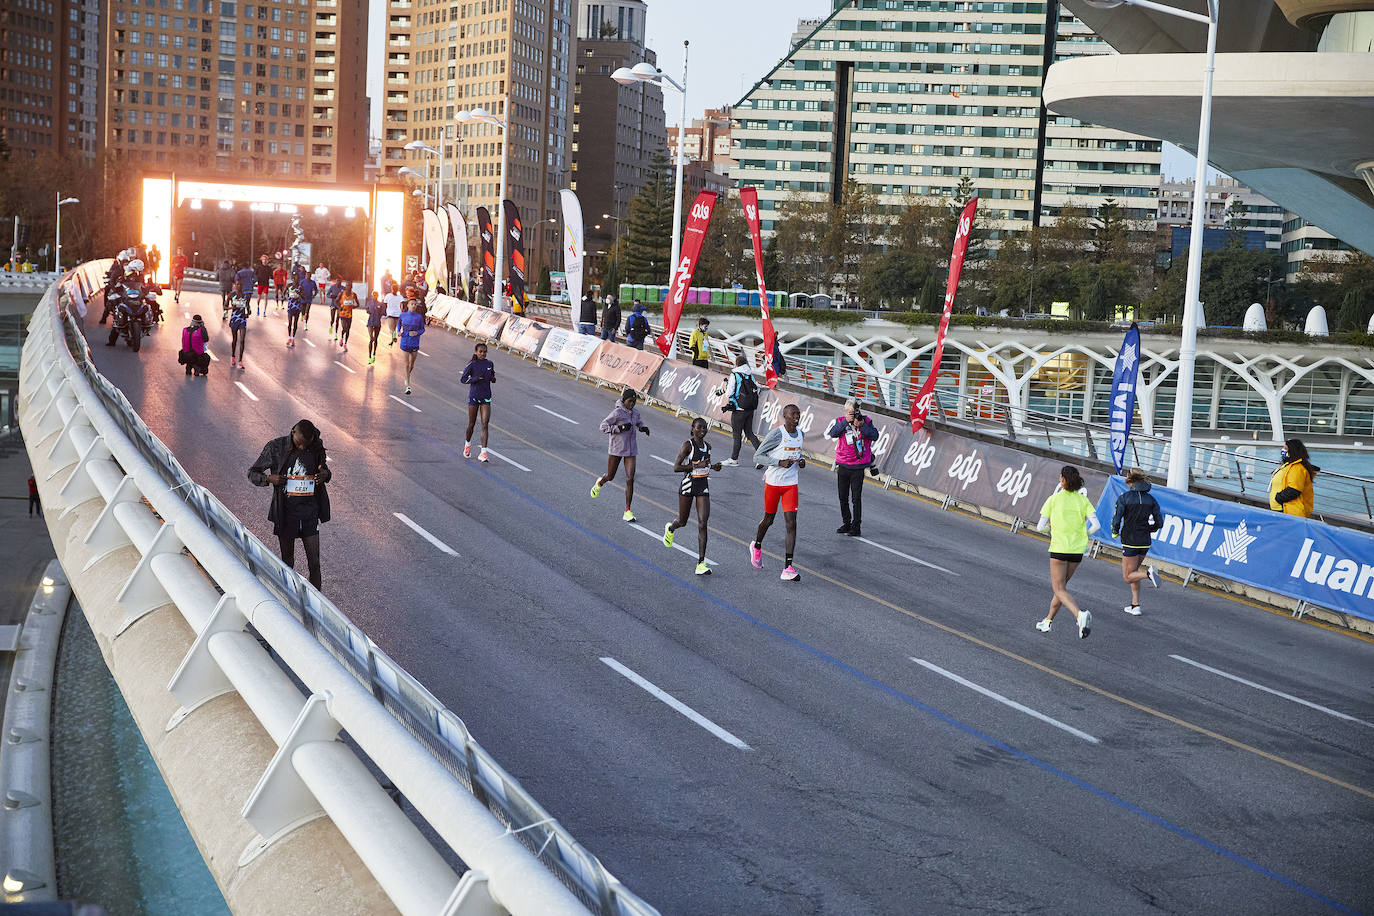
x: 890, y: 734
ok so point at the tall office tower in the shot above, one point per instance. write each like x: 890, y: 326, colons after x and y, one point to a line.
x: 616, y: 129
x: 79, y: 102
x: 265, y: 90
x: 1087, y: 165
x: 509, y: 57
x: 30, y: 85
x: 707, y: 140
x: 908, y: 97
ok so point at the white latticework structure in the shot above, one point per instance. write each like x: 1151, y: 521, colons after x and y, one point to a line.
x: 1270, y: 391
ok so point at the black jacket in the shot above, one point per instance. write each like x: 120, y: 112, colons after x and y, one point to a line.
x: 1137, y: 516
x: 273, y: 461
x: 610, y: 316
x: 587, y: 314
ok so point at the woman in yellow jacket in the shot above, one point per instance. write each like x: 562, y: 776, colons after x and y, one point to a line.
x: 1290, y: 488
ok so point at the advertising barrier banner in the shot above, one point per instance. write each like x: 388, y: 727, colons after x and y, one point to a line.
x: 1330, y: 567
x: 624, y: 366
x: 568, y: 348
x: 816, y: 416
x: 524, y: 334
x: 486, y: 322
x: 991, y: 476
x: 700, y: 392
x: 459, y: 313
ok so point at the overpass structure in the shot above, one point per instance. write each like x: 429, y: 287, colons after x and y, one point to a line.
x: 889, y: 734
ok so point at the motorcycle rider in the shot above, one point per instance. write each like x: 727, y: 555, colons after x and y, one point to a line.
x: 113, y: 277
x: 132, y: 305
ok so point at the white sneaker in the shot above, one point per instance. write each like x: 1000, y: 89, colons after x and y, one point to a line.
x: 1132, y: 609
x: 482, y: 455
x: 729, y: 463
x: 1154, y: 576
x: 1085, y: 624
x: 1043, y: 626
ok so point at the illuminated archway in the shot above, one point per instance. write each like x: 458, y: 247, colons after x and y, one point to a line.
x: 385, y: 209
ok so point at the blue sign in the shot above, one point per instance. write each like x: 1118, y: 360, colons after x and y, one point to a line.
x: 1328, y: 566
x: 1121, y: 405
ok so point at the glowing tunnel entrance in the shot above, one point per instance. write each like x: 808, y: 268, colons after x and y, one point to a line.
x: 384, y: 208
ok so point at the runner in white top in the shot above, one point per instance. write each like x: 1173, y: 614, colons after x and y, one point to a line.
x: 780, y: 453
x: 321, y: 277
x: 393, y: 312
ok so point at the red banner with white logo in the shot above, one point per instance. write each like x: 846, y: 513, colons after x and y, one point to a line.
x: 749, y: 197
x: 697, y: 220
x: 920, y: 405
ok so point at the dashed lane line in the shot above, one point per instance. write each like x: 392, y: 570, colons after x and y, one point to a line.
x: 405, y: 404
x: 993, y: 695
x: 344, y: 368
x: 405, y: 520
x: 554, y: 413
x: 906, y: 556
x: 1270, y: 690
x: 244, y: 389
x: 674, y: 703
x: 658, y: 536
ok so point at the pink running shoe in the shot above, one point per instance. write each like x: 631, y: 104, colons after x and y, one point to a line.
x: 756, y: 555
x: 790, y: 575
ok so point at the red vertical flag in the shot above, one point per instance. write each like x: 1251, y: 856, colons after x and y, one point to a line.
x: 749, y: 197
x: 697, y: 221
x: 920, y: 405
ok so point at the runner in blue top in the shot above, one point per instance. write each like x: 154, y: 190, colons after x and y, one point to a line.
x: 410, y: 327
x: 478, y: 376
x: 309, y: 289
x: 238, y: 327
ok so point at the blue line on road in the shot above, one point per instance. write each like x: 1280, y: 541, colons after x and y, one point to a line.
x: 910, y: 700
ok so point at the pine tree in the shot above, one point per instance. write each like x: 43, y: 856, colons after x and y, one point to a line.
x: 648, y: 242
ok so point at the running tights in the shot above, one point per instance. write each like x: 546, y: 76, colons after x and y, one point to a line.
x: 236, y: 341
x: 345, y: 324
x: 312, y: 555
x: 741, y: 426
x: 849, y: 480
x: 372, y: 340
x: 292, y: 320
x: 333, y: 317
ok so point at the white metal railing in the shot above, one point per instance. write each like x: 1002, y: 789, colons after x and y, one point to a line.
x: 198, y: 556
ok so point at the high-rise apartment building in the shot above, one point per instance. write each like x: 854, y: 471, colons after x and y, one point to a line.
x: 1086, y: 165
x: 616, y: 129
x: 509, y: 57
x: 79, y: 103
x: 30, y: 84
x: 908, y: 97
x: 1228, y: 205
x: 273, y: 89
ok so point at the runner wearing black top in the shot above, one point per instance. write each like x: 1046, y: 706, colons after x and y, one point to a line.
x: 695, y: 465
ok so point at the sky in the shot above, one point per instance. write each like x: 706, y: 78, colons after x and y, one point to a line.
x: 733, y: 44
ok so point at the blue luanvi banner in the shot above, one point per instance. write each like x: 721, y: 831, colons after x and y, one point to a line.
x: 1121, y: 405
x: 1328, y: 566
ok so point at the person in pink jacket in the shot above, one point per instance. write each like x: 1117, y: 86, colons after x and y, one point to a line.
x: 622, y: 425
x: 854, y: 435
x: 194, y: 339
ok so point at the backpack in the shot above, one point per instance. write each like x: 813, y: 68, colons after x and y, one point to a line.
x: 641, y: 327
x: 747, y: 395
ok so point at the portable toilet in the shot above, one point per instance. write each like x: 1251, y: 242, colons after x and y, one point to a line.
x: 627, y: 292
x: 754, y: 299
x: 821, y: 301
x: 653, y: 294
x: 741, y: 297
x: 799, y: 301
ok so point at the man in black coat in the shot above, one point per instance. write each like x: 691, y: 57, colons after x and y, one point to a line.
x: 296, y: 468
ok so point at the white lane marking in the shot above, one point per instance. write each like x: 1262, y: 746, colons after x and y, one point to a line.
x: 188, y: 315
x: 422, y: 353
x: 906, y: 556
x: 1003, y: 700
x: 211, y: 355
x: 1271, y: 690
x: 244, y: 389
x: 674, y: 703
x: 553, y: 413
x: 343, y: 367
x: 308, y: 342
x: 664, y: 460
x: 495, y: 454
x: 658, y: 536
x: 404, y: 404
x: 426, y: 535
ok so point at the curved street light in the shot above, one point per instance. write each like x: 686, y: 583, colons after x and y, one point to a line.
x: 57, y: 242
x: 645, y: 72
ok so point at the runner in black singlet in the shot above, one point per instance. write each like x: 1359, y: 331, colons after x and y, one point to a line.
x: 695, y: 465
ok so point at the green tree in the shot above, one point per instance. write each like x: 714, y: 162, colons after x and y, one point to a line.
x: 544, y: 288
x: 1232, y: 278
x: 648, y: 240
x: 800, y: 229
x: 894, y: 279
x: 1109, y: 232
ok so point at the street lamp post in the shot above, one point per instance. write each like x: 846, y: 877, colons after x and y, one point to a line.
x: 422, y: 192
x: 1181, y: 447
x: 648, y: 73
x: 57, y: 242
x: 439, y: 184
x: 482, y: 116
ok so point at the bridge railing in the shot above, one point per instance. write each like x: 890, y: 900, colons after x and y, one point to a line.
x: 518, y: 857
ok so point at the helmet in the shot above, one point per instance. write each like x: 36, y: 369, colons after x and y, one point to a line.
x: 135, y: 264
x: 124, y: 255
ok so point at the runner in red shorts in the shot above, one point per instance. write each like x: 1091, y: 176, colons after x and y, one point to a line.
x: 780, y: 455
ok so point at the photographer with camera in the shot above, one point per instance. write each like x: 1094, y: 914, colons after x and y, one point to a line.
x: 854, y: 434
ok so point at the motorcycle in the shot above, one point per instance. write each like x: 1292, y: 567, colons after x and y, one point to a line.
x: 133, y: 317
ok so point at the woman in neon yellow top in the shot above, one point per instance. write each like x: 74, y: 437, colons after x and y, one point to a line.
x: 1069, y: 517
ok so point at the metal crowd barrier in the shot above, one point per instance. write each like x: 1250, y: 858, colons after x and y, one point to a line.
x: 198, y: 556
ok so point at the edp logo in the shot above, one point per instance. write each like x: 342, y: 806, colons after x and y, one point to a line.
x: 668, y: 378
x: 1016, y: 483
x: 690, y: 386
x: 966, y: 468
x: 884, y: 442
x: 808, y: 417
x: 772, y: 411
x: 920, y: 455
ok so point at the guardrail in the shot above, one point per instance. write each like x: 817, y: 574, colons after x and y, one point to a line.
x: 196, y: 555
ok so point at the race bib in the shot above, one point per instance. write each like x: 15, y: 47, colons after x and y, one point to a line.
x: 701, y: 472
x: 299, y: 485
